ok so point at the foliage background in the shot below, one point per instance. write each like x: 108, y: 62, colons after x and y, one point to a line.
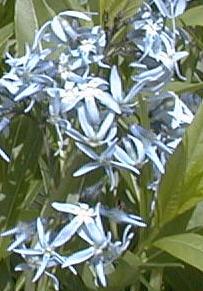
x: 169, y: 253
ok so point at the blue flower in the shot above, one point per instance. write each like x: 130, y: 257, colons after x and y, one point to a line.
x: 83, y: 216
x: 43, y: 253
x: 28, y: 75
x: 171, y: 8
x: 150, y: 142
x: 23, y: 232
x: 181, y: 113
x: 100, y: 255
x: 88, y: 90
x: 95, y: 135
x: 104, y: 160
x: 125, y: 102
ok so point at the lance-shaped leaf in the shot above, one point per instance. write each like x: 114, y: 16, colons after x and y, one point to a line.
x: 187, y: 247
x: 182, y: 186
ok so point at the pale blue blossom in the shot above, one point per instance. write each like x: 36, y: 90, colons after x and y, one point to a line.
x: 181, y: 113
x: 94, y: 135
x: 43, y: 251
x: 171, y: 8
x: 84, y: 216
x: 100, y: 256
x: 104, y: 160
x: 125, y: 102
x: 22, y: 233
x: 151, y: 143
x: 90, y: 91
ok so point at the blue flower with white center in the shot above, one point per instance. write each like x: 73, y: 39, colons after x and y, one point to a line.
x: 90, y: 46
x: 170, y: 60
x: 43, y: 253
x: 148, y: 32
x: 88, y: 90
x: 133, y: 152
x: 104, y: 160
x: 125, y: 102
x: 100, y: 255
x: 95, y: 135
x: 150, y: 143
x: 83, y: 216
x: 28, y: 76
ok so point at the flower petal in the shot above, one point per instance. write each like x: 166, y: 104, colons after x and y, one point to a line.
x: 79, y: 257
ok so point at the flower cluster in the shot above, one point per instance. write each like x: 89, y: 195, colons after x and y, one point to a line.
x: 87, y: 224
x: 84, y: 99
x: 62, y: 74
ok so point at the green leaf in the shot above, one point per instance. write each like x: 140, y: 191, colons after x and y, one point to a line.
x: 193, y: 16
x: 187, y: 247
x: 110, y: 9
x: 5, y: 33
x: 29, y: 16
x: 182, y: 186
x: 181, y: 87
x: 25, y: 23
x: 22, y: 171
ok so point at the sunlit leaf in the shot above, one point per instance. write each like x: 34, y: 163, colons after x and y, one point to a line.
x: 187, y: 247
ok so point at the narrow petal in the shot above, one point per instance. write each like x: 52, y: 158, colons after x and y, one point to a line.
x: 67, y: 232
x: 122, y: 156
x: 180, y: 7
x: 107, y: 100
x: 82, y: 232
x: 17, y: 242
x: 105, y: 126
x: 66, y: 207
x: 94, y: 231
x: 9, y: 232
x: 92, y: 109
x: 54, y: 279
x: 162, y: 8
x: 125, y: 166
x: 4, y: 156
x: 28, y: 252
x: 116, y: 86
x: 86, y: 169
x: 151, y: 153
x: 98, y: 219
x: 76, y: 14
x: 79, y: 257
x: 42, y: 268
x: 99, y: 270
x: 30, y: 90
x: 84, y: 123
x: 40, y: 231
x: 76, y: 135
x: 87, y: 150
x: 58, y: 29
